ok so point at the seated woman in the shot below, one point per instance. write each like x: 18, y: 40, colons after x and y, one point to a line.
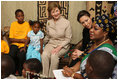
x: 100, y: 41
x: 84, y: 18
x: 58, y: 38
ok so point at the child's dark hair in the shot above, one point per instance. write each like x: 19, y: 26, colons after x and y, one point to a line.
x: 33, y: 22
x: 82, y: 13
x: 34, y: 65
x: 102, y: 63
x: 18, y: 10
x: 7, y: 66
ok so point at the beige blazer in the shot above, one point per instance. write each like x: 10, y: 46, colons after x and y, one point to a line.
x: 58, y: 33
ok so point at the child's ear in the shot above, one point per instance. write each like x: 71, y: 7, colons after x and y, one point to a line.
x: 90, y: 69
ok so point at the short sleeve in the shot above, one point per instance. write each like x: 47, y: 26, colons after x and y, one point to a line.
x: 29, y: 34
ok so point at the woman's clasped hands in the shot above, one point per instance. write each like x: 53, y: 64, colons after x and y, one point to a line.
x: 76, y: 54
x: 67, y: 72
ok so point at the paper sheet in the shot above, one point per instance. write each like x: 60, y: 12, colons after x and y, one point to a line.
x: 58, y: 74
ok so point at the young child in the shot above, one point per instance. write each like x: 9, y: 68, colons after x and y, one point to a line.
x: 35, y: 37
x: 4, y: 46
x: 7, y: 67
x: 31, y: 65
x: 18, y: 36
x: 100, y: 65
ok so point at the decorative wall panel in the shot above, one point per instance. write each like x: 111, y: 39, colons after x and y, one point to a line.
x: 43, y: 13
x: 97, y: 8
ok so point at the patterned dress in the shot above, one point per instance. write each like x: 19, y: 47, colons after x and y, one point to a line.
x: 34, y: 45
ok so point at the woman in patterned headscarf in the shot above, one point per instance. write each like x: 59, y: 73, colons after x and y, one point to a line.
x: 99, y: 41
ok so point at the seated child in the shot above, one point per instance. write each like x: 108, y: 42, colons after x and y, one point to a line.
x: 7, y: 67
x: 18, y: 36
x: 31, y: 65
x: 4, y: 46
x: 100, y: 65
x: 35, y: 41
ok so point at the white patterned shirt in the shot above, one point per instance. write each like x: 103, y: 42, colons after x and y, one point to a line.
x: 35, y: 39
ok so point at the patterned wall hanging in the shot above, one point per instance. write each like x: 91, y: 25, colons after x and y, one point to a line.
x: 97, y: 8
x: 43, y: 13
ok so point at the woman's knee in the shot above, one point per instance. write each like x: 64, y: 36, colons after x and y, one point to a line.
x: 54, y: 58
x: 44, y: 55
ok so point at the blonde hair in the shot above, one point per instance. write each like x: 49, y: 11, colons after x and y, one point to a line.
x: 53, y: 5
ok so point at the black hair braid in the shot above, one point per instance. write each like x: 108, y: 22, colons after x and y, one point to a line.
x: 31, y: 22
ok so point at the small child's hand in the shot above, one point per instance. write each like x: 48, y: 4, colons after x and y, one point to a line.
x: 22, y: 49
x: 23, y: 40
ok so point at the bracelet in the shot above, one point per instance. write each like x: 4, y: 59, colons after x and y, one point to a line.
x: 72, y: 75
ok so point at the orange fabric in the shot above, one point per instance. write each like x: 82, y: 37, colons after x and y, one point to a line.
x: 4, y: 47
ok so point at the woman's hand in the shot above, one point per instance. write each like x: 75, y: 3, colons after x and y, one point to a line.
x: 56, y: 50
x: 67, y: 72
x: 76, y: 54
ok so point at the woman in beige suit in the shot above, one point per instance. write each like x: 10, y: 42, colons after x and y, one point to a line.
x: 58, y: 38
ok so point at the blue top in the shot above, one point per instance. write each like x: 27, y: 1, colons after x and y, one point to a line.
x: 35, y: 38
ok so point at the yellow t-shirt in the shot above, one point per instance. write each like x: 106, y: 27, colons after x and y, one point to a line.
x: 19, y: 31
x: 4, y: 47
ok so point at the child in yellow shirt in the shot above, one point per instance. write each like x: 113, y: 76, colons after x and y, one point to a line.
x: 18, y: 35
x: 4, y: 46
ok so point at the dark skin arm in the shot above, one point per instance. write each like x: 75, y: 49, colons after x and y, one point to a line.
x: 26, y: 43
x: 41, y: 44
x: 68, y: 72
x: 77, y: 76
x: 76, y: 67
x: 13, y: 40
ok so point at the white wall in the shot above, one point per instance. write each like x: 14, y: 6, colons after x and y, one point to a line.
x: 8, y: 9
x: 74, y: 8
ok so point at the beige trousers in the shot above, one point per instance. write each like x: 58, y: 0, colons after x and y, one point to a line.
x: 50, y: 61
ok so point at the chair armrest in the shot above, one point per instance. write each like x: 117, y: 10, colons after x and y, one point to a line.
x: 79, y: 45
x: 6, y: 33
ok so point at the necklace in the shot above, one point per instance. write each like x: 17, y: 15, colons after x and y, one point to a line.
x: 101, y: 43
